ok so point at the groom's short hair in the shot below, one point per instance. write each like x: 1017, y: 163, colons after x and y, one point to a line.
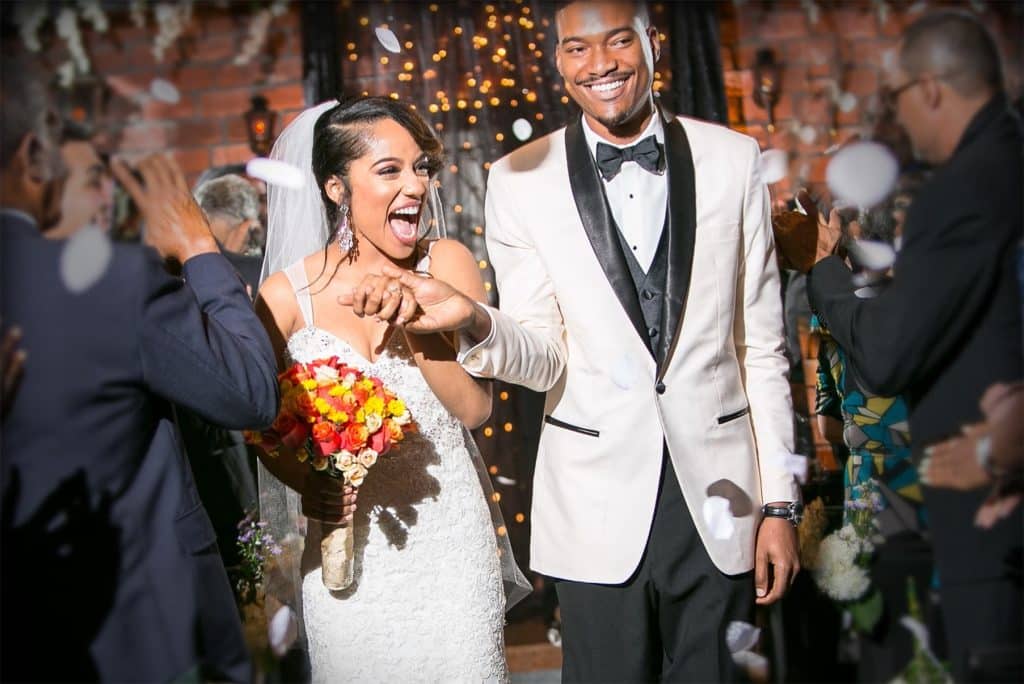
x: 640, y: 5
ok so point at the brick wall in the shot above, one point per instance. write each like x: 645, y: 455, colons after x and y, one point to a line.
x: 206, y: 127
x: 846, y: 43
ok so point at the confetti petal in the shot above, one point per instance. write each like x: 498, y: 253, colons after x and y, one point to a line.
x: 794, y: 464
x: 282, y: 631
x: 388, y: 39
x: 774, y: 165
x: 847, y: 102
x: 85, y: 258
x: 808, y: 134
x: 164, y: 90
x: 918, y: 630
x: 502, y: 480
x: 741, y: 636
x: 275, y: 172
x: 862, y: 174
x: 872, y: 255
x: 718, y: 517
x: 522, y: 129
x: 754, y: 664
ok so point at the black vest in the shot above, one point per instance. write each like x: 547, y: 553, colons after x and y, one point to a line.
x: 650, y: 288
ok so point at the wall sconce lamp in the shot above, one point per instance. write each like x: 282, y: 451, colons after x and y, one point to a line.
x: 767, y: 84
x: 259, y: 122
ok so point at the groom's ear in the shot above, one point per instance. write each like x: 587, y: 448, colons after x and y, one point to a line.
x: 335, y: 189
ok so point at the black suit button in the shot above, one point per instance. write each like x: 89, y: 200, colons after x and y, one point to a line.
x: 652, y: 332
x: 647, y: 294
x: 660, y: 387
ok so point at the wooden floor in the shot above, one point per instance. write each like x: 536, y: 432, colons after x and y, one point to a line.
x: 527, y: 648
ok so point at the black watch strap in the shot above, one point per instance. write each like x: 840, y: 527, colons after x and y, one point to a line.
x: 793, y: 511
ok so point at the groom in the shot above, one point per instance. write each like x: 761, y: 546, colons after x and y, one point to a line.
x: 639, y: 290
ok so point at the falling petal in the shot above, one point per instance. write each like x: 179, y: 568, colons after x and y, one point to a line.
x: 718, y: 517
x: 872, y: 255
x: 862, y: 174
x: 741, y: 636
x: 388, y: 39
x: 282, y: 631
x: 522, y: 129
x: 502, y: 480
x: 85, y: 258
x: 275, y: 172
x: 917, y: 629
x: 753, y: 664
x: 164, y: 90
x: 847, y: 102
x: 808, y: 134
x: 774, y: 165
x: 797, y: 466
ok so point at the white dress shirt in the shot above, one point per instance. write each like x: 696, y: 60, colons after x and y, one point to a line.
x: 637, y: 197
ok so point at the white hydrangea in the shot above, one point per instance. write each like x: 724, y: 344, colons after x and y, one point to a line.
x: 839, y: 574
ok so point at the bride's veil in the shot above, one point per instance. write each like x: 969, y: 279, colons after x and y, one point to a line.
x: 297, y: 227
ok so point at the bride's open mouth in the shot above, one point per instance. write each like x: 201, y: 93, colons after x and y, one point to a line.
x: 404, y: 223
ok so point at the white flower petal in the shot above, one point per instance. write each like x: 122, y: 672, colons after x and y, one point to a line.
x: 774, y: 166
x: 918, y: 630
x: 862, y: 174
x: 502, y: 480
x: 847, y: 102
x: 282, y: 630
x: 718, y: 517
x: 388, y: 39
x: 522, y: 129
x: 275, y: 172
x: 754, y: 664
x: 808, y: 134
x: 741, y: 636
x: 85, y: 258
x: 872, y: 255
x: 164, y: 90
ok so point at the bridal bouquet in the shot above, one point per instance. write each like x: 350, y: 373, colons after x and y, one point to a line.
x: 341, y: 421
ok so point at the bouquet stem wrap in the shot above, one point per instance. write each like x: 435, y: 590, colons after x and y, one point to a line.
x: 337, y: 567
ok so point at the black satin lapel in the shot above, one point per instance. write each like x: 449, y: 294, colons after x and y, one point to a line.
x: 593, y: 209
x: 681, y: 227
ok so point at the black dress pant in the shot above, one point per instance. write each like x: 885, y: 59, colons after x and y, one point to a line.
x: 668, y: 621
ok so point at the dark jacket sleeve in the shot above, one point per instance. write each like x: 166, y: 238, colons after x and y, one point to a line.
x: 942, y: 280
x: 203, y: 346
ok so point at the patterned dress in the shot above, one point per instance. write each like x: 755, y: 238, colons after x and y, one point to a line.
x: 875, y: 429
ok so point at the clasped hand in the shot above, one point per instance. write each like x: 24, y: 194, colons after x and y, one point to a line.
x: 416, y: 302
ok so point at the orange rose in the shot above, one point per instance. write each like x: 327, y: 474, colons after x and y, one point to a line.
x: 357, y: 435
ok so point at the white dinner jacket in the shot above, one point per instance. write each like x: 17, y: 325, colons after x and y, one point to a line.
x: 720, y: 399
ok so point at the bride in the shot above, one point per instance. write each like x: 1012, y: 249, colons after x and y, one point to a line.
x: 427, y: 601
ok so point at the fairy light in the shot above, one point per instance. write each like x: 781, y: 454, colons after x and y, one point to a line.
x: 364, y: 21
x: 471, y: 119
x: 504, y: 395
x: 493, y: 470
x: 482, y: 264
x: 520, y: 517
x: 508, y: 427
x: 488, y: 431
x: 496, y: 497
x: 384, y: 60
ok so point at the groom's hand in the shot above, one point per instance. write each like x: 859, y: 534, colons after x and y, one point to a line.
x: 776, y: 560
x: 441, y: 308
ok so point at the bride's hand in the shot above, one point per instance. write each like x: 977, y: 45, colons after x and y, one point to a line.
x: 327, y: 499
x: 383, y: 298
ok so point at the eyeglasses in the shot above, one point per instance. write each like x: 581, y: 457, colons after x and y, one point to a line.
x: 891, y: 96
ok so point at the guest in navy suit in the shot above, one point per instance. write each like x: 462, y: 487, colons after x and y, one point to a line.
x: 104, y: 539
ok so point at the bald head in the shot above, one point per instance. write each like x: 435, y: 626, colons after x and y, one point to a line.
x: 955, y: 47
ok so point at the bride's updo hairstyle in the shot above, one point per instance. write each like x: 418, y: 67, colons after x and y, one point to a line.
x: 341, y: 136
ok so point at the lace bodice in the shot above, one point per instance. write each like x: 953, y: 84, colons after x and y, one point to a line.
x: 427, y: 602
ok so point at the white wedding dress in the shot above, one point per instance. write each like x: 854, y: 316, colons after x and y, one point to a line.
x: 427, y: 603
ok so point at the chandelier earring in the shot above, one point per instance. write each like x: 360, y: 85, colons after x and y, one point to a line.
x: 343, y: 231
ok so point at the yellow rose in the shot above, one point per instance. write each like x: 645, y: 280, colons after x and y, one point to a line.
x: 336, y: 391
x: 309, y: 384
x: 396, y: 407
x: 366, y: 384
x: 360, y: 416
x: 322, y: 406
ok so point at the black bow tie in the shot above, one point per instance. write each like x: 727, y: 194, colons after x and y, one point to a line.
x: 647, y: 153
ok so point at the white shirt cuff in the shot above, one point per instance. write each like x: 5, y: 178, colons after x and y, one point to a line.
x: 469, y: 356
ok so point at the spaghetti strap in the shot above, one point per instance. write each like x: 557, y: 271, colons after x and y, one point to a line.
x: 296, y: 274
x: 424, y: 263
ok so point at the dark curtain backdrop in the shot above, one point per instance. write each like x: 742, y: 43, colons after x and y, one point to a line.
x: 480, y: 73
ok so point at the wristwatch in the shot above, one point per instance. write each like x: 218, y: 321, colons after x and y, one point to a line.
x: 793, y: 511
